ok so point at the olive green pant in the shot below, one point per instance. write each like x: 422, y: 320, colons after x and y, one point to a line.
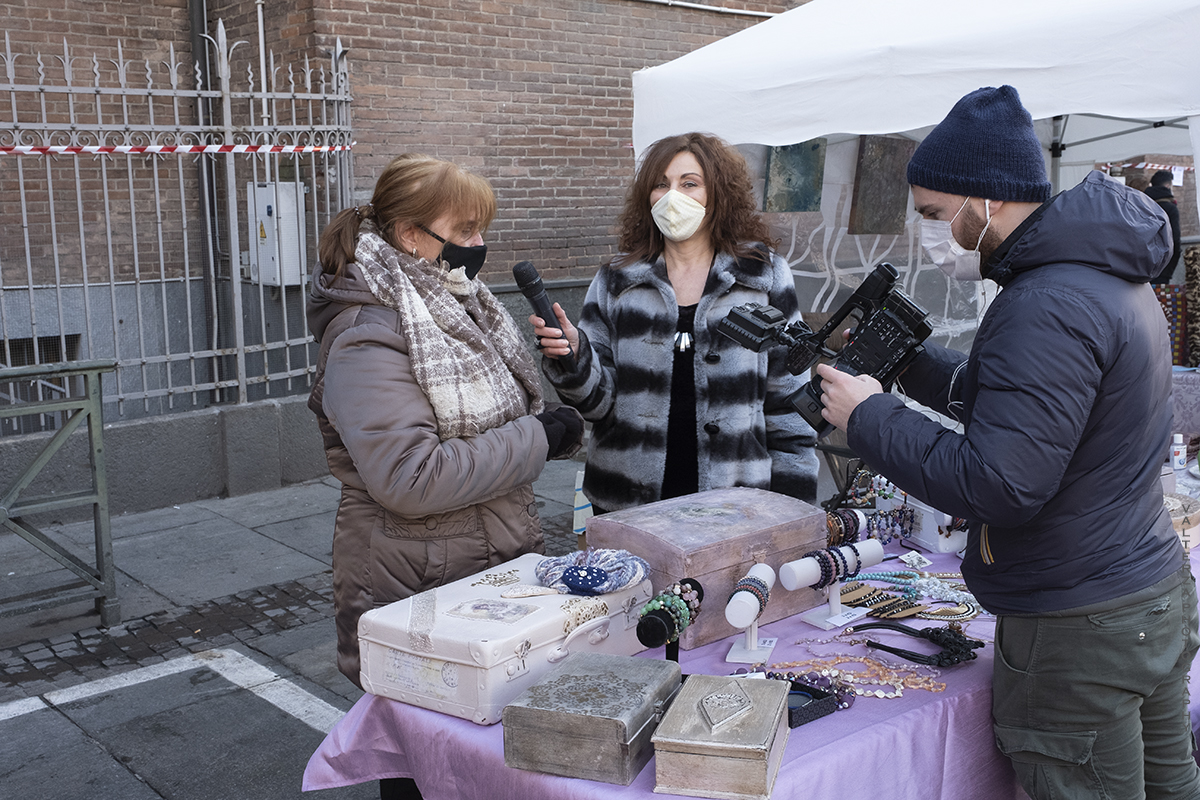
x: 1096, y: 706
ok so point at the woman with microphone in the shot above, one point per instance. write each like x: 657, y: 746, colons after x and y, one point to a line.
x: 675, y: 406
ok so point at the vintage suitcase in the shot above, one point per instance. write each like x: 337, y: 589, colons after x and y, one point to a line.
x: 715, y: 537
x: 465, y: 649
x: 591, y: 717
x: 722, y: 737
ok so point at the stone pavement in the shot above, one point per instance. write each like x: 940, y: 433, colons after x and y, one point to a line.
x: 220, y: 680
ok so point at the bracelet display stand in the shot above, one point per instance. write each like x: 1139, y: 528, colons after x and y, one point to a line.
x: 806, y: 572
x: 743, y: 611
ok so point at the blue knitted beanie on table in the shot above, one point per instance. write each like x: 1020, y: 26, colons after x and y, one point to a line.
x: 985, y: 147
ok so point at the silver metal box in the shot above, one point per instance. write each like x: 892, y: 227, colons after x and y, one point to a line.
x: 722, y: 737
x: 592, y: 717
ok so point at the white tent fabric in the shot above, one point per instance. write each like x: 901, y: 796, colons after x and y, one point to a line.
x: 890, y: 66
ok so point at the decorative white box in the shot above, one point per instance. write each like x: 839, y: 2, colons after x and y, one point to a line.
x: 591, y: 717
x: 722, y: 737
x: 465, y: 650
x: 715, y: 537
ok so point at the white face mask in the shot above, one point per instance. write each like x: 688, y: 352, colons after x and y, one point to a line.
x: 677, y: 215
x: 944, y: 250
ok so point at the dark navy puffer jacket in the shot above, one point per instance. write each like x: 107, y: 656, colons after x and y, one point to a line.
x: 1065, y: 401
x: 747, y: 433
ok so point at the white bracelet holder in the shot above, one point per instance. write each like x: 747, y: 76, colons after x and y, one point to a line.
x: 807, y: 572
x: 743, y: 611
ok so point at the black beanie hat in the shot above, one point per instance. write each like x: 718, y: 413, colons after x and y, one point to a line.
x: 985, y: 147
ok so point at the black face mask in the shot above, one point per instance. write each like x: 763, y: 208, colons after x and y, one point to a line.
x: 469, y: 258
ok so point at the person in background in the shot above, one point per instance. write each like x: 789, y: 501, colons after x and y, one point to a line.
x: 677, y: 407
x: 1160, y: 192
x: 429, y: 403
x: 1139, y: 182
x: 1064, y: 402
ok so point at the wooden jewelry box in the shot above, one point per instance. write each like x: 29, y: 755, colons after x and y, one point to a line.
x: 467, y: 649
x: 591, y: 717
x: 722, y: 737
x: 715, y: 537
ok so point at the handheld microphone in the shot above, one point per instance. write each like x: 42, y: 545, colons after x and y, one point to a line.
x: 530, y: 284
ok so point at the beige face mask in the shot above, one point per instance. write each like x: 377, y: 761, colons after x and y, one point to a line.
x: 677, y: 215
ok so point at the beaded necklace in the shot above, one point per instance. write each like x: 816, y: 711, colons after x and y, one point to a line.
x: 904, y: 579
x: 874, y: 673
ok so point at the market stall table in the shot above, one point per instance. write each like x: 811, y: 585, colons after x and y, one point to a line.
x: 921, y: 745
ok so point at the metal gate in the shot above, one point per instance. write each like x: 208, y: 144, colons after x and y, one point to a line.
x: 166, y: 224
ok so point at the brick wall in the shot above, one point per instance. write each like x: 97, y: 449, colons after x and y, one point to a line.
x: 535, y: 96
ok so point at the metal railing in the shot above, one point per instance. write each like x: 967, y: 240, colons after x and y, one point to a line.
x: 166, y: 221
x: 74, y: 401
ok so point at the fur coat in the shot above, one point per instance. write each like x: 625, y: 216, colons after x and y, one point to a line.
x: 747, y: 434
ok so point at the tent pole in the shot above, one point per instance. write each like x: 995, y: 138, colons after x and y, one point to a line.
x: 1056, y: 148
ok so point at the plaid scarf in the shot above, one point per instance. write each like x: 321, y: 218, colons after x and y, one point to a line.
x: 467, y: 354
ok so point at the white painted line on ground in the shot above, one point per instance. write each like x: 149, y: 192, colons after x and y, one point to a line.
x: 111, y: 684
x: 285, y: 695
x: 229, y: 664
x: 16, y: 708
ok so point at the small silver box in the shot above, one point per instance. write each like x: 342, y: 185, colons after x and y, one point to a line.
x: 591, y: 717
x: 722, y: 737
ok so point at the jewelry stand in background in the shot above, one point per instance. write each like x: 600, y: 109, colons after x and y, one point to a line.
x: 743, y: 611
x: 806, y: 572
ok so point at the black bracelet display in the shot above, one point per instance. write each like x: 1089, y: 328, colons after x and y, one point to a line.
x: 669, y: 612
x: 956, y: 647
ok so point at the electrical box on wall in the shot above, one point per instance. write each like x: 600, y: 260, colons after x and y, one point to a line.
x: 277, y: 242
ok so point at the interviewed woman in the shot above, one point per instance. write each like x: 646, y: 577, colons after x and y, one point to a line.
x: 677, y: 407
x: 428, y: 401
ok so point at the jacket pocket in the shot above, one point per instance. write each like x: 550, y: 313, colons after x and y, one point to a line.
x: 1051, y: 763
x: 448, y: 525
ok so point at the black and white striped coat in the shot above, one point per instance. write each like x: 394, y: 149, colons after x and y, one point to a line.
x: 747, y: 434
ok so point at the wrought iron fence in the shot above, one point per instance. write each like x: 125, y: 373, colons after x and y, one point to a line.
x: 166, y: 221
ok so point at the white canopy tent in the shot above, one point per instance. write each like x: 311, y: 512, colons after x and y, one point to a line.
x: 890, y: 66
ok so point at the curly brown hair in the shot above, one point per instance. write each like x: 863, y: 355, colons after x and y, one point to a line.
x: 734, y: 225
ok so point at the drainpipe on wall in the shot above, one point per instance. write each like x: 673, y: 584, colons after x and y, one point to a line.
x: 262, y: 69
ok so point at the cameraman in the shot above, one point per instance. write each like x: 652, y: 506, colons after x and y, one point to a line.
x: 1065, y: 406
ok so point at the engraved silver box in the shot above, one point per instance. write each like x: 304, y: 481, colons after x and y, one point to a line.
x: 722, y: 737
x: 591, y: 717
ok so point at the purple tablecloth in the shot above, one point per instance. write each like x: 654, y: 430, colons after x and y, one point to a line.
x: 922, y: 745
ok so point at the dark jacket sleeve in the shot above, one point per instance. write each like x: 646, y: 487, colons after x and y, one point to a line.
x: 1039, y: 371
x: 930, y: 379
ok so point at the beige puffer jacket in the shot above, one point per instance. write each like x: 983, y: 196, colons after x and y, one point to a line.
x: 415, y: 512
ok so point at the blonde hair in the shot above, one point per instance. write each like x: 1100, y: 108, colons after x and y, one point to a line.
x: 413, y: 189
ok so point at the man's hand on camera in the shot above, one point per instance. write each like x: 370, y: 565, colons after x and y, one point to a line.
x: 841, y: 394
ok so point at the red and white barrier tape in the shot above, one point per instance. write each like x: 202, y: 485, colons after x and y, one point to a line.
x: 1148, y: 165
x: 134, y: 149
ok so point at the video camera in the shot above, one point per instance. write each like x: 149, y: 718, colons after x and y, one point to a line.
x: 886, y: 339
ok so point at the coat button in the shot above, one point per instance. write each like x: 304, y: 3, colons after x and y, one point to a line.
x: 430, y: 523
x: 712, y: 358
x: 1142, y: 636
x: 532, y: 509
x: 712, y: 428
